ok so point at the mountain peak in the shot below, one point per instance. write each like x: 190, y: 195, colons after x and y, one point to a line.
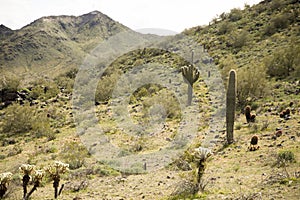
x: 95, y: 12
x: 4, y: 28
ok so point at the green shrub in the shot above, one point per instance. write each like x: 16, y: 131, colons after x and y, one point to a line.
x: 44, y: 90
x: 284, y: 157
x: 65, y: 83
x: 105, y: 87
x: 9, y: 83
x: 225, y: 28
x: 74, y: 154
x: 251, y: 83
x: 167, y: 101
x: 240, y: 39
x: 20, y: 119
x: 276, y: 24
x: 235, y: 14
x: 284, y: 61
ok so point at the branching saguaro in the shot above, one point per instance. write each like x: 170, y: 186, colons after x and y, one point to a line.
x: 191, y: 75
x: 230, y: 106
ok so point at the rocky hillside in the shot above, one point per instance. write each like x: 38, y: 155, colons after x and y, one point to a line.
x: 51, y: 44
x: 40, y: 124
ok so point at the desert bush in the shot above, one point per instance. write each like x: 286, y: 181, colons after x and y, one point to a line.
x: 44, y: 90
x: 105, y: 87
x: 235, y: 14
x: 284, y: 62
x: 226, y: 64
x: 251, y: 83
x: 225, y: 28
x: 74, y: 154
x: 167, y: 101
x: 240, y: 39
x: 71, y: 74
x: 9, y: 83
x: 284, y: 157
x: 20, y: 119
x: 65, y: 83
x: 276, y: 24
x: 276, y: 5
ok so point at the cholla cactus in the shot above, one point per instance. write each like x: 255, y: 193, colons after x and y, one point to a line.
x: 55, y: 171
x: 38, y: 175
x: 5, y: 178
x: 26, y: 169
x: 37, y: 179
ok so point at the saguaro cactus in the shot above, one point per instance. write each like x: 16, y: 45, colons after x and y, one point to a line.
x: 230, y: 106
x: 191, y: 75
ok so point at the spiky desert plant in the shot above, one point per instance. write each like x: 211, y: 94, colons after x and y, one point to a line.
x: 201, y: 154
x: 37, y: 179
x: 26, y: 169
x: 191, y: 75
x: 55, y: 170
x: 249, y: 116
x: 5, y: 178
x: 230, y: 106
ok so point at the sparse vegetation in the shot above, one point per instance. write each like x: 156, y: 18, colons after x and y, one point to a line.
x: 22, y: 119
x: 261, y: 43
x: 74, y: 154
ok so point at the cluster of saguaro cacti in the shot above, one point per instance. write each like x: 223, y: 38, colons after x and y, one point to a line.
x: 249, y: 117
x: 230, y: 106
x: 55, y: 172
x: 5, y: 179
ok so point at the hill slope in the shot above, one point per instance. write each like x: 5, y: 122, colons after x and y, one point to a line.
x: 250, y: 41
x: 50, y: 44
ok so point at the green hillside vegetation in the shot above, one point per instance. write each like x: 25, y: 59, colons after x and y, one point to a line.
x: 39, y: 64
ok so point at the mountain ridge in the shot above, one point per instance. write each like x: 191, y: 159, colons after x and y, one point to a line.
x: 55, y: 41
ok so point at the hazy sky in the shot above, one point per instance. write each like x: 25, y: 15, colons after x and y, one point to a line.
x: 174, y: 15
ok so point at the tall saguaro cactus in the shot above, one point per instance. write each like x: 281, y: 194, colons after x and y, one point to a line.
x: 191, y: 75
x: 230, y: 106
